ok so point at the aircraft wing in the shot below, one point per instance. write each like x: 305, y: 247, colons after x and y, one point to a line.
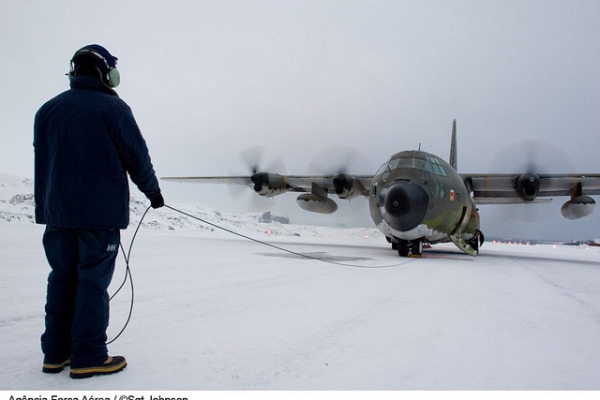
x: 227, y: 180
x: 293, y: 183
x: 304, y: 183
x: 508, y: 189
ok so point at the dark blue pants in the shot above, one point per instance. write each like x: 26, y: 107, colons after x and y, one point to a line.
x: 77, y: 310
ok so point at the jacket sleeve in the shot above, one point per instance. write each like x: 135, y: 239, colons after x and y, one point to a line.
x: 134, y: 154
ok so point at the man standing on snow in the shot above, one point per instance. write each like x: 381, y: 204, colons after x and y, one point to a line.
x: 86, y: 140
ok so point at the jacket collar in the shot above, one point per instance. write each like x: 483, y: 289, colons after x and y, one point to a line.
x: 90, y: 83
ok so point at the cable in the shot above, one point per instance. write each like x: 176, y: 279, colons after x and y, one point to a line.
x: 128, y: 275
x: 284, y: 249
x: 127, y: 258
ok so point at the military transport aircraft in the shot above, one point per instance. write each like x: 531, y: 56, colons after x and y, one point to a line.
x: 416, y: 198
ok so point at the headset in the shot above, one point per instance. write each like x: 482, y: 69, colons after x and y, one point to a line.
x: 112, y: 77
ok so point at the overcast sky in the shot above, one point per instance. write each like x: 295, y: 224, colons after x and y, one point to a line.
x: 208, y: 79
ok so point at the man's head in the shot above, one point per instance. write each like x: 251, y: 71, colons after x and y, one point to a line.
x: 94, y: 60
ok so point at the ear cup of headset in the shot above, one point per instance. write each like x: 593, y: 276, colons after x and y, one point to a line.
x: 114, y: 77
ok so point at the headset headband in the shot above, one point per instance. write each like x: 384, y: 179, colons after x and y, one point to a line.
x: 99, y: 56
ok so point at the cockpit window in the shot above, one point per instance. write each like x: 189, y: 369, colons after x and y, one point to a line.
x: 382, y: 169
x: 429, y: 164
x: 436, y: 166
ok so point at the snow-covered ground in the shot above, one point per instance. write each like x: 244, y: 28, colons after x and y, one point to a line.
x: 215, y: 311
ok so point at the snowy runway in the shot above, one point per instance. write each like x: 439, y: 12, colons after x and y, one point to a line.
x: 213, y: 311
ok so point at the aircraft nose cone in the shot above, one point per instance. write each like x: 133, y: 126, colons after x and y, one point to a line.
x: 405, y: 205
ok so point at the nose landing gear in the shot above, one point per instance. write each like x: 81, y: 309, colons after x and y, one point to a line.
x: 407, y: 248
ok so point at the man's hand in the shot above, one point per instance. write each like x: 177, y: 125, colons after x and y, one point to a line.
x: 158, y: 201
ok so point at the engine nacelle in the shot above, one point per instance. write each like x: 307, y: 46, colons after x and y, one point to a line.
x: 269, y: 185
x: 318, y: 204
x: 528, y: 186
x: 347, y: 186
x: 578, y: 207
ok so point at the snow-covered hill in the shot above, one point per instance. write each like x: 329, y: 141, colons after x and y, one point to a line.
x: 16, y: 198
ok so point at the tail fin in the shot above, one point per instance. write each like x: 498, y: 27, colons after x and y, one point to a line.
x: 453, y: 157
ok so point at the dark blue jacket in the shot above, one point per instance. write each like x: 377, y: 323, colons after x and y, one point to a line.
x: 86, y: 140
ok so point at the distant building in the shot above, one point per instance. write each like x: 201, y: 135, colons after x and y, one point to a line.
x: 267, y: 217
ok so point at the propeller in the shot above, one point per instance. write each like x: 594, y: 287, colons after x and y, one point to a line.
x: 343, y: 159
x: 533, y: 157
x: 339, y: 159
x: 248, y: 162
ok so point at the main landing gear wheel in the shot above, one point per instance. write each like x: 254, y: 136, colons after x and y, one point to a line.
x: 417, y: 248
